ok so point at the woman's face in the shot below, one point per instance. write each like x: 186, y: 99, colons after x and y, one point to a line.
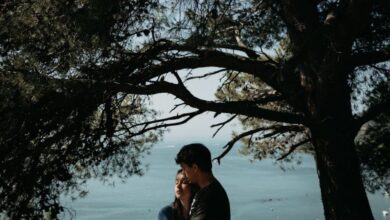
x: 182, y: 186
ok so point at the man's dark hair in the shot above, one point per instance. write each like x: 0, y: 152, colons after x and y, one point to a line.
x: 195, y: 154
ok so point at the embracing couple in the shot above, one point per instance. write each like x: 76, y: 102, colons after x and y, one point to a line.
x: 198, y: 194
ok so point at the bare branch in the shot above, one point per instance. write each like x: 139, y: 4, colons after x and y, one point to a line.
x: 168, y: 118
x: 222, y: 124
x: 145, y: 129
x: 231, y: 143
x: 176, y: 106
x: 179, y: 81
x: 205, y: 75
x: 293, y: 148
x: 230, y: 79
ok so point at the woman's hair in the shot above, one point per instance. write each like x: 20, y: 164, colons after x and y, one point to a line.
x: 177, y: 207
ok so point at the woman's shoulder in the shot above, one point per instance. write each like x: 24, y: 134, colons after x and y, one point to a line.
x: 166, y: 213
x: 166, y: 208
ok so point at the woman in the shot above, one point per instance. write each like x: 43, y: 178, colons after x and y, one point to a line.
x: 184, y: 193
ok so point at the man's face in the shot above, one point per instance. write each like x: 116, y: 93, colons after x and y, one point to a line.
x: 189, y: 172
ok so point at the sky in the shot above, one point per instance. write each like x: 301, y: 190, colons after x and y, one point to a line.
x: 198, y: 129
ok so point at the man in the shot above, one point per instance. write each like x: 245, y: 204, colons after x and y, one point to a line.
x: 211, y: 201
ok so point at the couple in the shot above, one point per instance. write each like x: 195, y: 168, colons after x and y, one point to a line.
x: 198, y: 194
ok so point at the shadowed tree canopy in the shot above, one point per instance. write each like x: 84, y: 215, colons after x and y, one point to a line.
x: 301, y: 76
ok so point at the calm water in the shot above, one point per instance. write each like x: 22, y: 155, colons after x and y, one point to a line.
x: 258, y: 190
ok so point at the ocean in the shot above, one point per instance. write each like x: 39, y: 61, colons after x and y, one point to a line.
x: 256, y: 190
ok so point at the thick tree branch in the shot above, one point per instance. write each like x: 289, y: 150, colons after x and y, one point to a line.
x: 248, y: 108
x: 285, y: 80
x: 368, y: 58
x: 208, y: 58
x: 301, y: 18
x: 355, y: 18
x: 279, y: 76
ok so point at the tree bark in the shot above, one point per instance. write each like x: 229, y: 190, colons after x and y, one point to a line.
x: 329, y: 104
x: 342, y: 190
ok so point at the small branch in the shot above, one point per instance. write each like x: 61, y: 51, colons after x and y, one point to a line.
x: 145, y: 129
x: 267, y: 56
x: 230, y: 80
x: 222, y: 124
x: 168, y: 118
x: 381, y: 70
x: 179, y: 81
x: 250, y: 141
x: 205, y: 75
x: 293, y: 148
x: 176, y: 106
x: 231, y: 143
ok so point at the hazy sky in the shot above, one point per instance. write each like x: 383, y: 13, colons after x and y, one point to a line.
x: 198, y: 129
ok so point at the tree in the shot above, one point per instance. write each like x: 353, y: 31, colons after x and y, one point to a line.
x: 58, y: 131
x: 293, y: 73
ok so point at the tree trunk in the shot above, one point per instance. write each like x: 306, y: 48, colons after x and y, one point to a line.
x: 342, y: 190
x: 338, y: 167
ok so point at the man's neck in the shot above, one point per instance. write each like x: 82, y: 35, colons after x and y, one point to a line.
x: 205, y: 179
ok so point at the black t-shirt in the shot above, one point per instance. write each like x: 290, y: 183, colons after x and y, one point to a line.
x: 210, y: 203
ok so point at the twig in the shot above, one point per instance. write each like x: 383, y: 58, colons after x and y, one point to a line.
x: 292, y: 148
x: 250, y: 141
x: 176, y: 106
x: 222, y: 124
x: 189, y: 117
x: 380, y: 69
x: 205, y: 75
x: 168, y: 118
x: 179, y: 81
x: 228, y: 80
x: 231, y: 143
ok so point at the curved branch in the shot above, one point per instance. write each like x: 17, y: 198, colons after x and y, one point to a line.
x: 266, y: 70
x: 248, y: 108
x: 222, y: 124
x: 231, y: 143
x: 145, y: 129
x: 189, y: 114
x: 205, y: 75
x: 293, y: 148
x: 208, y: 58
